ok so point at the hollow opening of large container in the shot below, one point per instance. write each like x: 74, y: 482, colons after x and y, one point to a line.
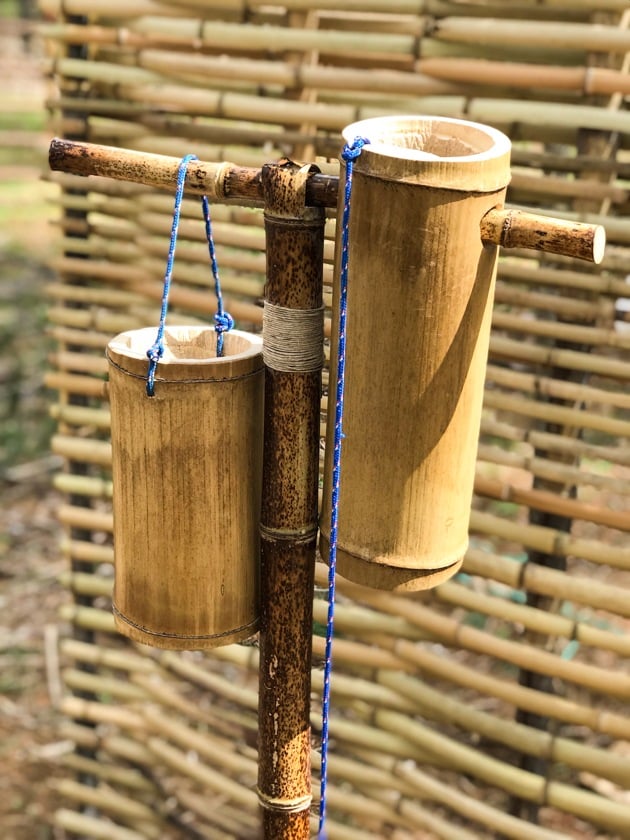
x: 188, y: 344
x: 422, y: 138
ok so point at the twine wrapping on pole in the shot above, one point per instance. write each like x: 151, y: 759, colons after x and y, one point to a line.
x: 223, y: 321
x: 293, y: 338
x: 349, y: 154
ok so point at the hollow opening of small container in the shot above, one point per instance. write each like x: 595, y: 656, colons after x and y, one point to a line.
x: 426, y: 138
x: 192, y: 345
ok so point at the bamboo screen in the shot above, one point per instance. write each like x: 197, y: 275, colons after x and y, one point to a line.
x: 497, y: 705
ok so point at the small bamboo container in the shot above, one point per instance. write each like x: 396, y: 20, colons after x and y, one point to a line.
x: 187, y: 466
x: 420, y: 292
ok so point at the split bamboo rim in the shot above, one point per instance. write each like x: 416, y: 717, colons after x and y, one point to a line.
x: 433, y: 151
x: 189, y: 354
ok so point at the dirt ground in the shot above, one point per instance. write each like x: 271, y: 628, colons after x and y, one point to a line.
x: 29, y: 601
x: 30, y: 595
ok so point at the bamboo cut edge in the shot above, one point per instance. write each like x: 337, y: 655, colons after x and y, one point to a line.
x: 433, y: 151
x: 174, y: 641
x: 376, y: 575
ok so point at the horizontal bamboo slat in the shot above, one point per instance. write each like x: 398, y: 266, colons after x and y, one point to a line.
x: 219, y: 685
x: 124, y: 776
x: 541, y: 500
x: 95, y: 827
x: 485, y: 8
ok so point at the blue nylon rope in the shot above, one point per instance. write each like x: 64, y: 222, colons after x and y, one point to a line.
x: 223, y: 321
x: 349, y: 154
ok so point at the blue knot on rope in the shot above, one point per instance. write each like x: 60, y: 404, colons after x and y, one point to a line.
x: 351, y: 151
x: 154, y: 354
x: 223, y: 322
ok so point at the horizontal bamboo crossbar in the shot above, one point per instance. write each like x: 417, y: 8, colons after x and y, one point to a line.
x: 111, y: 802
x: 567, y: 333
x: 558, y: 414
x: 224, y: 182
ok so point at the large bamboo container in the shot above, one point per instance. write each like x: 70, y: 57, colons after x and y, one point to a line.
x: 420, y: 291
x: 187, y: 466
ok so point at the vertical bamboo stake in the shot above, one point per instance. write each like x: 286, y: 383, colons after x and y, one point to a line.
x: 293, y: 341
x: 78, y: 117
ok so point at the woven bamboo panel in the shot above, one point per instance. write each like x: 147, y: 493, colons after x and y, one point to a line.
x: 496, y: 705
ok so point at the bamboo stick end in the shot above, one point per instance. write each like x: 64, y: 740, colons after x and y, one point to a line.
x: 599, y: 243
x: 57, y: 153
x: 522, y: 229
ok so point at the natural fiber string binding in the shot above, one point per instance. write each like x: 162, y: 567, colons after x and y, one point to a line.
x: 293, y: 338
x: 223, y: 321
x: 349, y: 154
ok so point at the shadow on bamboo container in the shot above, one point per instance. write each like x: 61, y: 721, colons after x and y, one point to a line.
x: 420, y: 293
x: 187, y: 467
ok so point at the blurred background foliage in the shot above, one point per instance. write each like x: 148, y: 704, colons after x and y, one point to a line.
x: 25, y: 241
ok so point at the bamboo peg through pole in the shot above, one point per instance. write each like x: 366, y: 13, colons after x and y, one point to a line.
x: 293, y: 354
x: 520, y: 229
x: 225, y: 182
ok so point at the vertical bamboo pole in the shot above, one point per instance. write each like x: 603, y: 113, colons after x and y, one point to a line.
x: 293, y: 306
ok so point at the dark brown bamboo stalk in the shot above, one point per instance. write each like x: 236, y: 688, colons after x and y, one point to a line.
x: 295, y: 251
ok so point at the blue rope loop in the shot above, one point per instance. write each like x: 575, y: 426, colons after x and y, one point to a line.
x: 349, y: 154
x: 223, y: 321
x: 156, y: 351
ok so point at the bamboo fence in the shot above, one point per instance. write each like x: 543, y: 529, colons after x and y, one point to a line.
x: 496, y: 705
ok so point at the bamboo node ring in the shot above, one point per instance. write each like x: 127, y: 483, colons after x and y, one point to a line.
x: 220, y: 179
x: 287, y: 806
x: 296, y: 535
x: 587, y: 85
